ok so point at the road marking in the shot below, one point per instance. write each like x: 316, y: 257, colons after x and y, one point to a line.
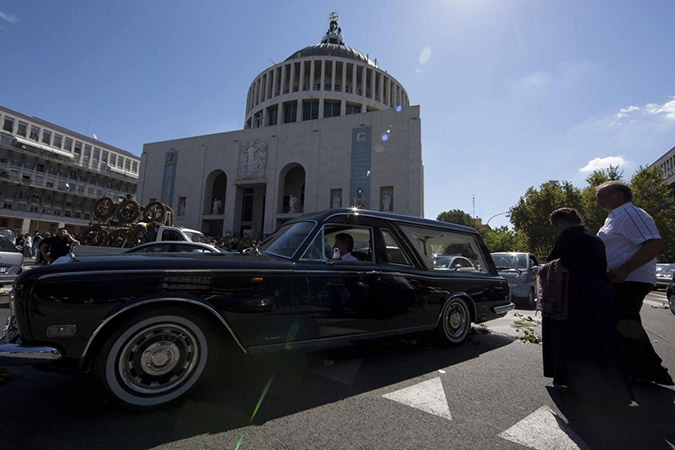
x: 543, y: 429
x: 427, y: 396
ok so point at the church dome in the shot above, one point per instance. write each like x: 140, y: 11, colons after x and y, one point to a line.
x: 328, y: 79
x: 330, y: 49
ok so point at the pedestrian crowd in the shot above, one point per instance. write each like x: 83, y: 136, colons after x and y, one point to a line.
x: 590, y: 294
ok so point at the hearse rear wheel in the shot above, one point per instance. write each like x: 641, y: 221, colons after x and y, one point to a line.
x: 455, y: 323
x: 154, y: 358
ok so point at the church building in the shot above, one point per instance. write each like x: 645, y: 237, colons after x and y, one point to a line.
x: 325, y: 128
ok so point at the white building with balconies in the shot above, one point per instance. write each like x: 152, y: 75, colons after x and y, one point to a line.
x: 50, y: 176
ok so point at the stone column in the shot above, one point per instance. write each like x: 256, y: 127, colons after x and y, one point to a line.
x: 311, y: 74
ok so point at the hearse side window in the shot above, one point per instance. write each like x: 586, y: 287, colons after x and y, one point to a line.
x: 394, y: 252
x: 321, y: 248
x: 445, y: 250
x: 286, y: 240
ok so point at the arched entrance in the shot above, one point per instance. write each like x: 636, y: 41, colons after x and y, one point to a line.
x: 291, y: 190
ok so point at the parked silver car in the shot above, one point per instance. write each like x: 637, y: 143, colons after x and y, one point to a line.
x: 11, y: 259
x: 664, y: 275
x: 520, y: 270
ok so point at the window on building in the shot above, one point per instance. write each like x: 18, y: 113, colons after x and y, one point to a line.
x: 34, y: 133
x: 50, y: 184
x: 352, y: 108
x: 113, y: 159
x: 21, y: 130
x: 29, y: 164
x: 127, y: 165
x: 68, y: 144
x: 134, y: 167
x: 290, y: 112
x: 57, y: 140
x: 310, y: 110
x: 87, y: 151
x: 7, y: 205
x: 8, y: 125
x: 247, y: 205
x: 97, y: 154
x: 331, y: 108
x: 46, y: 137
x: 15, y: 161
x: 272, y: 112
x: 104, y: 158
x: 40, y: 167
x: 257, y: 119
x: 78, y: 148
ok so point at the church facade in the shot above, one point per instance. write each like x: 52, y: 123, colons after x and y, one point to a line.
x: 325, y: 128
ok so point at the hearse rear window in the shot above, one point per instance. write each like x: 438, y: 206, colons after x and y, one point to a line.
x: 446, y: 250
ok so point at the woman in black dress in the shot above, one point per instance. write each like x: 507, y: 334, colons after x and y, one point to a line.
x: 581, y: 347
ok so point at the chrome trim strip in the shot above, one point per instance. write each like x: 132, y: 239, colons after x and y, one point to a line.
x: 158, y: 300
x: 148, y: 271
x: 503, y: 309
x: 272, y: 271
x: 18, y: 355
x: 319, y: 342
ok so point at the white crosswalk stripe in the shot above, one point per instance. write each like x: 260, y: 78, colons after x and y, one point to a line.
x: 543, y: 429
x: 427, y: 396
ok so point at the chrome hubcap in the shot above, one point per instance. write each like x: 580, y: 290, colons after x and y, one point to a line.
x: 158, y: 358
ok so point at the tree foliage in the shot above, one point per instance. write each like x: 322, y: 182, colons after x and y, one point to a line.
x: 594, y: 216
x: 456, y: 216
x: 501, y: 240
x: 530, y: 215
x: 656, y: 197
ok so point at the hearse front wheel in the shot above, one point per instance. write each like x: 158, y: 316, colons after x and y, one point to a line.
x: 154, y: 358
x: 455, y: 323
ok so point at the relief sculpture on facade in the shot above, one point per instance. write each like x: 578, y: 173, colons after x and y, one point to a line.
x: 252, y: 160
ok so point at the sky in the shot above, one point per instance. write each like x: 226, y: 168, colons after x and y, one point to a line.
x: 513, y: 93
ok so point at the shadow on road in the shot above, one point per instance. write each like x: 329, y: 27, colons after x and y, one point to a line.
x: 650, y: 424
x: 46, y: 410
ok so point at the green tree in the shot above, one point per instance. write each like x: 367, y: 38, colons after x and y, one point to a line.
x: 593, y: 215
x: 501, y: 239
x: 530, y: 216
x: 656, y: 197
x: 456, y: 216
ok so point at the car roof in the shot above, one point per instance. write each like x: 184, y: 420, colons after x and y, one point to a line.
x: 191, y: 244
x: 325, y: 215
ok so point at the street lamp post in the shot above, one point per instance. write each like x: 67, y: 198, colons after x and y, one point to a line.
x: 498, y: 214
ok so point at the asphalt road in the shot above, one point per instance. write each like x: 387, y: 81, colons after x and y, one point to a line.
x: 404, y: 393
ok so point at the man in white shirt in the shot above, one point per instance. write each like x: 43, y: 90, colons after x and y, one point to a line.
x: 345, y: 244
x: 632, y: 243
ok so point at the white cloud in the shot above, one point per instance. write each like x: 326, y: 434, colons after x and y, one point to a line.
x: 667, y: 109
x: 624, y: 112
x: 603, y: 163
x: 11, y: 18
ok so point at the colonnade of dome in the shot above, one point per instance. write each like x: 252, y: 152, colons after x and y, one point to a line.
x: 324, y: 80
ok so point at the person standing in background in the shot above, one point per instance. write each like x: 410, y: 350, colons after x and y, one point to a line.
x: 632, y: 243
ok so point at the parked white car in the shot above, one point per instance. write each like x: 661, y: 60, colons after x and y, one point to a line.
x: 11, y: 259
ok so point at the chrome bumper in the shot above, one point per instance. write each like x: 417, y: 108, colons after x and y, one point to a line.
x: 502, y: 310
x: 18, y: 355
x: 14, y: 353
